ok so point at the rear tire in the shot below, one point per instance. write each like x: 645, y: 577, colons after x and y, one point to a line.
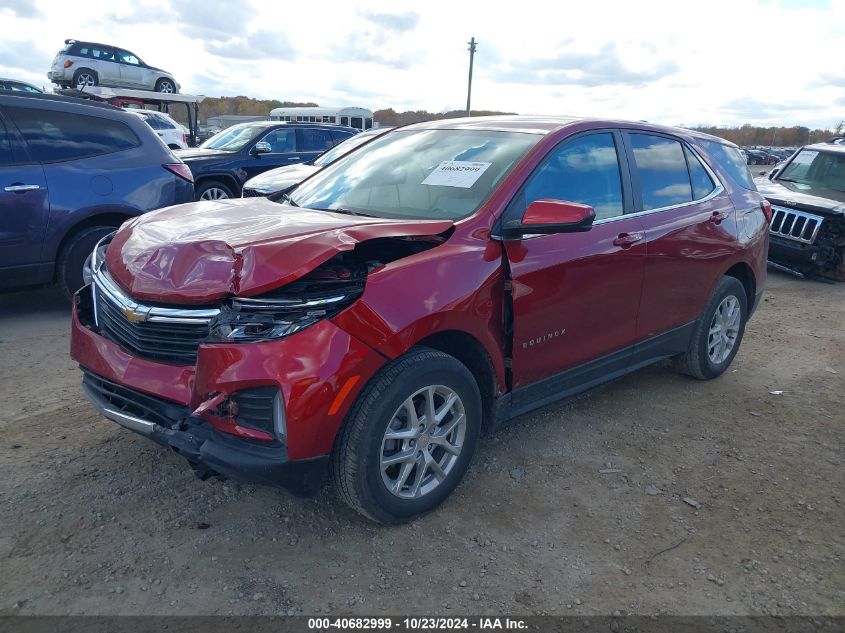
x: 718, y: 333
x: 212, y: 190
x: 73, y: 255
x: 394, y: 480
x: 85, y: 78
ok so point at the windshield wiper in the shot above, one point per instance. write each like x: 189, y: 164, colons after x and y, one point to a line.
x: 289, y: 200
x: 346, y: 212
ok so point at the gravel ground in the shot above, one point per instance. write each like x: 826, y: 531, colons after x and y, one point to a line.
x: 653, y: 494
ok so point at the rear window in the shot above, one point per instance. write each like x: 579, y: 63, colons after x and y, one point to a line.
x: 313, y: 140
x: 662, y: 171
x: 53, y: 136
x: 702, y: 184
x: 731, y: 160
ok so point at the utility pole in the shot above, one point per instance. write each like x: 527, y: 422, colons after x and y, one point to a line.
x: 472, y: 45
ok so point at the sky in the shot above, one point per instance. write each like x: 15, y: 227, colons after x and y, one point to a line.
x: 720, y: 62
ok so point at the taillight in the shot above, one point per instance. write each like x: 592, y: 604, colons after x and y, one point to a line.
x: 767, y: 210
x: 184, y: 139
x: 181, y: 170
x: 68, y: 63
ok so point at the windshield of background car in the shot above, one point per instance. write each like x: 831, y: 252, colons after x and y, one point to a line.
x: 812, y: 169
x: 341, y: 149
x: 233, y: 139
x: 421, y: 174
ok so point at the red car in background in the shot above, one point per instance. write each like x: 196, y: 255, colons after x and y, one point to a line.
x: 444, y: 278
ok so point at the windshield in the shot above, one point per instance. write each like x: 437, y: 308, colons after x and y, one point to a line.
x: 341, y: 149
x: 423, y: 174
x: 812, y: 169
x: 234, y: 138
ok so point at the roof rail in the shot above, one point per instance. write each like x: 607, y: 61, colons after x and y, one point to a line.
x: 837, y: 140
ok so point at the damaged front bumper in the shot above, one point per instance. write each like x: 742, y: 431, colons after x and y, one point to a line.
x: 210, y: 452
x: 307, y: 383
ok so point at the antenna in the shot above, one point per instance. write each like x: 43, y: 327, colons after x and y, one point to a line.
x: 472, y: 45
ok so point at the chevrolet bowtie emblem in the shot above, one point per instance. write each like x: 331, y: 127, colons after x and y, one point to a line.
x: 135, y: 316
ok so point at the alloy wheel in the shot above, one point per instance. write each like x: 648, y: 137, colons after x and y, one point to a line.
x: 166, y: 87
x: 214, y: 193
x: 84, y: 80
x: 423, y: 441
x: 724, y: 330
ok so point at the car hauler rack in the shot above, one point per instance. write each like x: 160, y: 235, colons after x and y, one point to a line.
x: 145, y: 99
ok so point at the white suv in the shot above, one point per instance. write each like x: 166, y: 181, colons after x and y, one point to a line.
x: 164, y: 126
x: 83, y: 64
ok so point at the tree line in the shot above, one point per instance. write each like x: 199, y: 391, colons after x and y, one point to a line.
x: 743, y: 135
x: 794, y: 136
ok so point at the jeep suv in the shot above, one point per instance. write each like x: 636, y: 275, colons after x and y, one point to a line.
x: 437, y: 281
x: 228, y: 159
x: 72, y: 171
x: 808, y: 201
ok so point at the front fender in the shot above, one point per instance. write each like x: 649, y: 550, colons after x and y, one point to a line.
x: 456, y: 287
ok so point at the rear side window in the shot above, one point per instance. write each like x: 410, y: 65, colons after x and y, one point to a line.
x: 313, y: 140
x: 53, y: 136
x: 702, y: 184
x: 5, y: 146
x: 157, y: 122
x: 339, y: 136
x: 731, y: 160
x: 662, y: 171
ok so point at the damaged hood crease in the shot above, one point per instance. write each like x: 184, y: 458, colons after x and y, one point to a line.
x: 205, y: 251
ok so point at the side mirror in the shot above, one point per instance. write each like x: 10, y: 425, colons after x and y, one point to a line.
x: 262, y: 147
x: 543, y: 217
x: 773, y: 173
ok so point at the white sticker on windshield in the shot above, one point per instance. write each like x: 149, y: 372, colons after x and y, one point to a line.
x: 456, y: 173
x: 805, y: 158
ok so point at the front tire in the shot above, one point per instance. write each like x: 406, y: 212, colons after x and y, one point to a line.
x: 718, y: 333
x: 166, y: 86
x: 409, y: 438
x: 213, y: 190
x: 73, y: 255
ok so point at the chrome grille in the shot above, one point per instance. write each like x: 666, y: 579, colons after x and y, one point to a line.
x: 254, y: 193
x: 169, y: 335
x: 795, y: 225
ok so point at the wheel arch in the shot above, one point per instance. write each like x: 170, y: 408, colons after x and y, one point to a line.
x: 745, y: 275
x: 110, y: 218
x: 224, y: 178
x: 473, y: 355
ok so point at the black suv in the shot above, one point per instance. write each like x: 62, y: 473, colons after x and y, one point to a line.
x: 808, y: 204
x: 71, y: 171
x: 227, y: 160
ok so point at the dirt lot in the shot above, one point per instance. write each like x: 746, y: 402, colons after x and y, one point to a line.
x: 575, y: 509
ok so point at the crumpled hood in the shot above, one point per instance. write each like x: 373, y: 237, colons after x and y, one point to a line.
x: 281, y: 177
x: 203, y: 251
x: 777, y: 193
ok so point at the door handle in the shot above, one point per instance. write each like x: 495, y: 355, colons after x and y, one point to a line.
x: 21, y: 188
x: 627, y: 240
x: 294, y: 158
x: 717, y: 218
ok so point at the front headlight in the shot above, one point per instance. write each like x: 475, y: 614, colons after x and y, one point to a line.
x: 96, y: 258
x: 321, y: 294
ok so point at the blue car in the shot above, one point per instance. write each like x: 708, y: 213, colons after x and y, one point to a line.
x: 71, y: 171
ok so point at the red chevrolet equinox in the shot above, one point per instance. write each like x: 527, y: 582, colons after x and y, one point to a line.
x: 443, y: 278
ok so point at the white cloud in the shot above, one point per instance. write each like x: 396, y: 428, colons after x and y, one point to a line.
x: 669, y: 62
